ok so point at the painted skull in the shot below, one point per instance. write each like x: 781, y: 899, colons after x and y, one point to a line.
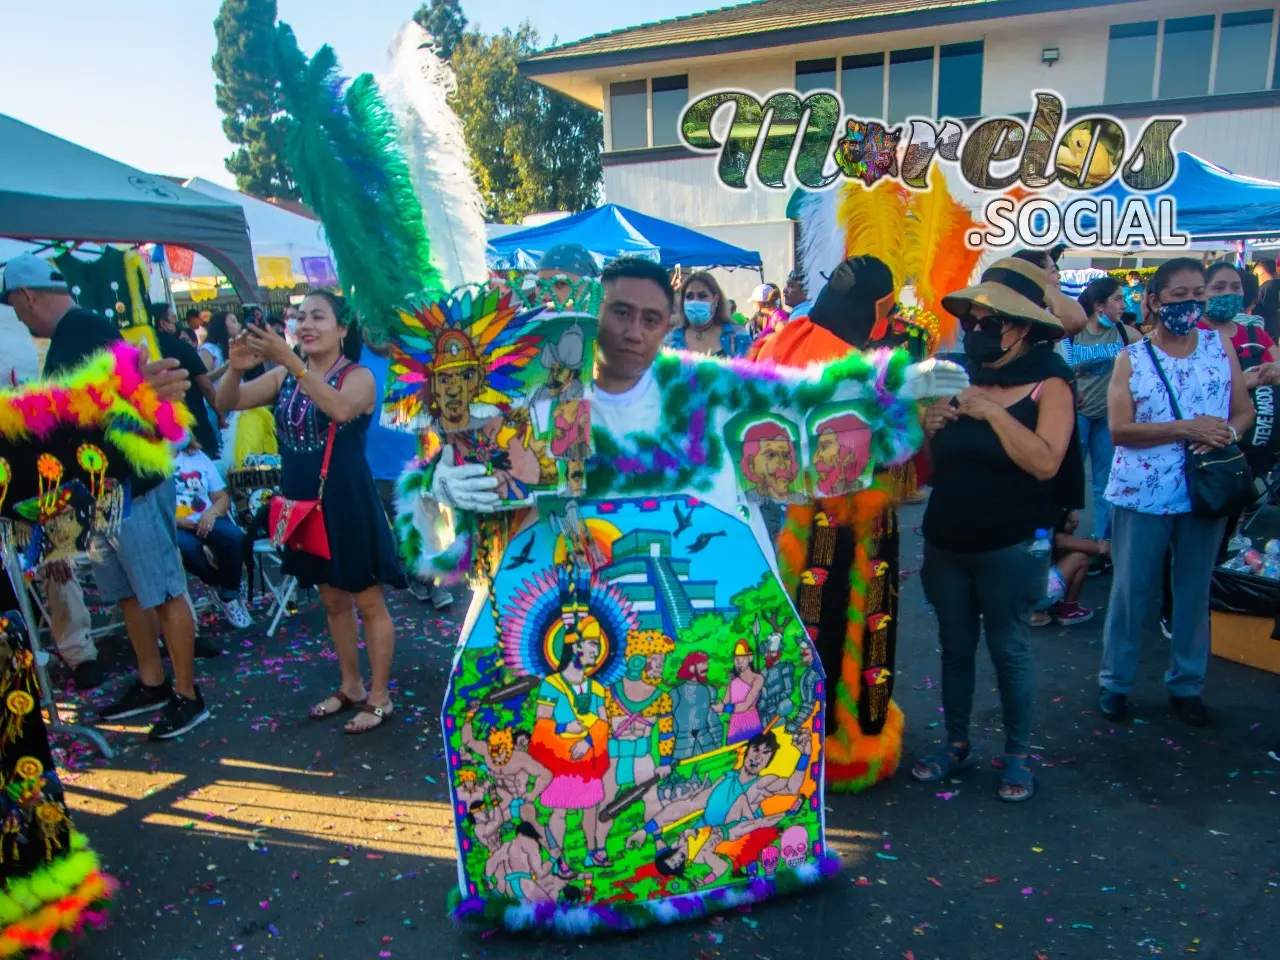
x: 769, y: 860
x: 795, y: 846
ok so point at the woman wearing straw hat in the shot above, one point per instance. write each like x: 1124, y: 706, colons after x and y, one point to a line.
x: 1005, y: 468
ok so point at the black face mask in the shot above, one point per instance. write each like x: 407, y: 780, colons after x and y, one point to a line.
x: 983, y: 346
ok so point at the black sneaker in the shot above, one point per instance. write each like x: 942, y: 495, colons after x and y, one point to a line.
x: 205, y: 649
x: 180, y: 715
x: 88, y: 675
x: 1190, y: 710
x: 139, y: 699
x: 1112, y: 705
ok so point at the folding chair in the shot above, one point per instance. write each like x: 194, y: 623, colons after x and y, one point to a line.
x: 284, y: 587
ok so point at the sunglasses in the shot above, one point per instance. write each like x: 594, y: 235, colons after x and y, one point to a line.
x: 988, y: 325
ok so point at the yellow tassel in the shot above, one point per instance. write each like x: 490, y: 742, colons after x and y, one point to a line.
x: 135, y: 274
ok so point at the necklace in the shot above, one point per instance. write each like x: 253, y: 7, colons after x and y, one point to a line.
x: 296, y: 412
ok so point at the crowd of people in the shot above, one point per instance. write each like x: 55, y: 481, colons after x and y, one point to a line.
x: 1129, y: 382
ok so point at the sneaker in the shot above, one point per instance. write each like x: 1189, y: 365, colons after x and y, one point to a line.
x: 180, y: 715
x: 1190, y: 710
x: 441, y: 596
x: 1098, y: 565
x: 1166, y: 627
x: 1071, y: 613
x: 1112, y: 705
x: 88, y: 675
x: 139, y: 699
x: 235, y: 613
x: 205, y: 650
x: 419, y: 589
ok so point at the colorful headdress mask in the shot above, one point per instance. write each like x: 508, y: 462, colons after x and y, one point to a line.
x: 857, y: 301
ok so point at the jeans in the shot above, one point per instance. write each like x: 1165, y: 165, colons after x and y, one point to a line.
x: 226, y: 542
x: 995, y: 591
x: 1139, y: 544
x: 1095, y: 442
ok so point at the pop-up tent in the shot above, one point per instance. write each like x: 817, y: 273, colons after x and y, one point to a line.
x: 1211, y: 203
x: 274, y: 231
x: 612, y: 231
x: 52, y: 189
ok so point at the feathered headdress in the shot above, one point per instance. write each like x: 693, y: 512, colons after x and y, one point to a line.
x: 418, y: 89
x: 344, y: 151
x: 481, y: 325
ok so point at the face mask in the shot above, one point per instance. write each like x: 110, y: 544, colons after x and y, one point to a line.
x: 698, y: 312
x: 1181, y: 318
x: 1224, y: 307
x: 983, y: 346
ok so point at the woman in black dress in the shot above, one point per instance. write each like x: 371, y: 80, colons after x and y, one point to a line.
x: 329, y: 388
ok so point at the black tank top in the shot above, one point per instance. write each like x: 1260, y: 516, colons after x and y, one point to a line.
x: 981, y: 499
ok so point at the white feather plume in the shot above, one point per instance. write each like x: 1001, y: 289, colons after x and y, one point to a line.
x: 821, y: 238
x: 436, y: 150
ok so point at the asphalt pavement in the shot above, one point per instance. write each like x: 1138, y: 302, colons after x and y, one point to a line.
x: 266, y: 834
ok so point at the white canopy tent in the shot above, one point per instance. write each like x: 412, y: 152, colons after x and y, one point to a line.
x: 52, y: 189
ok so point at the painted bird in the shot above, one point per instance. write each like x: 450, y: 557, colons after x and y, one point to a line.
x: 523, y: 557
x: 683, y: 520
x: 704, y: 539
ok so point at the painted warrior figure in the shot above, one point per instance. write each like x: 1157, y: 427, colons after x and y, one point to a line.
x: 698, y: 727
x: 779, y: 681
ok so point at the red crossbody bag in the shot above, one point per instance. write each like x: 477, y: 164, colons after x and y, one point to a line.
x: 299, y: 524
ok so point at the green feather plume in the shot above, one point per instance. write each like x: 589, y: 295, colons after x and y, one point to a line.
x: 344, y: 151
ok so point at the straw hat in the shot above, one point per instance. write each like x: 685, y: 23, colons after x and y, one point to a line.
x: 1010, y: 288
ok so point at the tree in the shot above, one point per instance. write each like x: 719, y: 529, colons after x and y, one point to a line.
x: 532, y: 149
x: 445, y: 21
x: 248, y: 93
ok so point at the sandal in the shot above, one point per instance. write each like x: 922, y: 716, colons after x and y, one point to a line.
x: 318, y: 712
x: 1017, y: 774
x: 943, y: 762
x: 382, y: 713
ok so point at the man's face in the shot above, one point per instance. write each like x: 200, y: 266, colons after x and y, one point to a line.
x: 634, y: 318
x: 575, y: 472
x: 757, y: 759
x: 700, y: 672
x: 774, y: 464
x: 806, y: 654
x: 32, y: 308
x: 827, y: 457
x: 168, y: 323
x: 558, y: 377
x: 794, y: 292
x: 453, y: 389
x: 562, y: 286
x: 588, y: 651
x: 654, y: 665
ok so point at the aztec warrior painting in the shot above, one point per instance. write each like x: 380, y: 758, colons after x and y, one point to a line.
x: 639, y: 718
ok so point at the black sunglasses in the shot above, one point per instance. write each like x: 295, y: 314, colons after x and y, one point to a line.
x: 988, y: 325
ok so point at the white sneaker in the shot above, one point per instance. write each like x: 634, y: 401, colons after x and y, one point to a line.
x: 235, y: 613
x: 441, y: 596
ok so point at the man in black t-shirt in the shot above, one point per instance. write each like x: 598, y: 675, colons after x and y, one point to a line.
x: 139, y: 568
x: 1268, y: 307
x: 171, y: 345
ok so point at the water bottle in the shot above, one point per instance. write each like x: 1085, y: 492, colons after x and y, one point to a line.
x: 1041, y: 546
x: 1273, y: 548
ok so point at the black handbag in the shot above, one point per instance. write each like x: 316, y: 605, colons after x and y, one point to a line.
x: 1218, y: 482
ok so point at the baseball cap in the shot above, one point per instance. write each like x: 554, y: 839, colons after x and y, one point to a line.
x: 570, y: 258
x: 28, y: 270
x: 762, y: 293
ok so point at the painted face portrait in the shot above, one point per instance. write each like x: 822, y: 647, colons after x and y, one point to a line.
x: 454, y: 389
x: 841, y: 454
x: 769, y: 460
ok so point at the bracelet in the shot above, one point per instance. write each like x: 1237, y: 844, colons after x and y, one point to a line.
x: 1235, y: 434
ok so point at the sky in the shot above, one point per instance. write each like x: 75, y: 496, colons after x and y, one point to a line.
x: 132, y: 79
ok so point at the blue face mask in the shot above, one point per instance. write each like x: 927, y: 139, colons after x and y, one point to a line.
x: 698, y: 312
x: 1224, y: 307
x: 1181, y: 318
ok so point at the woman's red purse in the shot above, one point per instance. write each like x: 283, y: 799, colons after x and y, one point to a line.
x: 299, y: 524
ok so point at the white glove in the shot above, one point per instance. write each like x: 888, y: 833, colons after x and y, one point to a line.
x: 466, y: 487
x: 933, y: 378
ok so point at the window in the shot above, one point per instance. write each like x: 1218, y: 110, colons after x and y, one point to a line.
x: 1244, y: 43
x: 910, y: 84
x: 1184, y: 61
x: 960, y: 79
x: 670, y: 94
x: 815, y: 75
x: 1131, y: 62
x: 862, y: 85
x: 629, y: 114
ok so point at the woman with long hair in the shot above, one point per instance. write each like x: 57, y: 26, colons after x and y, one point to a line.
x: 328, y: 389
x: 1151, y: 505
x: 1004, y: 468
x: 216, y: 349
x: 1091, y: 354
x: 704, y: 324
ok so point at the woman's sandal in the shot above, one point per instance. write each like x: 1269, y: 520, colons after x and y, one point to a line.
x: 1017, y: 773
x: 943, y: 762
x: 318, y: 712
x: 382, y: 713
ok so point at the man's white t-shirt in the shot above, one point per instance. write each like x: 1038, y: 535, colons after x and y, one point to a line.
x: 19, y: 361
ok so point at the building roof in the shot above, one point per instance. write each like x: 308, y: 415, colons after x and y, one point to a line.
x: 771, y: 22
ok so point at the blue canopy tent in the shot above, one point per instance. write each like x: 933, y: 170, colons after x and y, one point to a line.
x: 610, y: 232
x: 1211, y: 203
